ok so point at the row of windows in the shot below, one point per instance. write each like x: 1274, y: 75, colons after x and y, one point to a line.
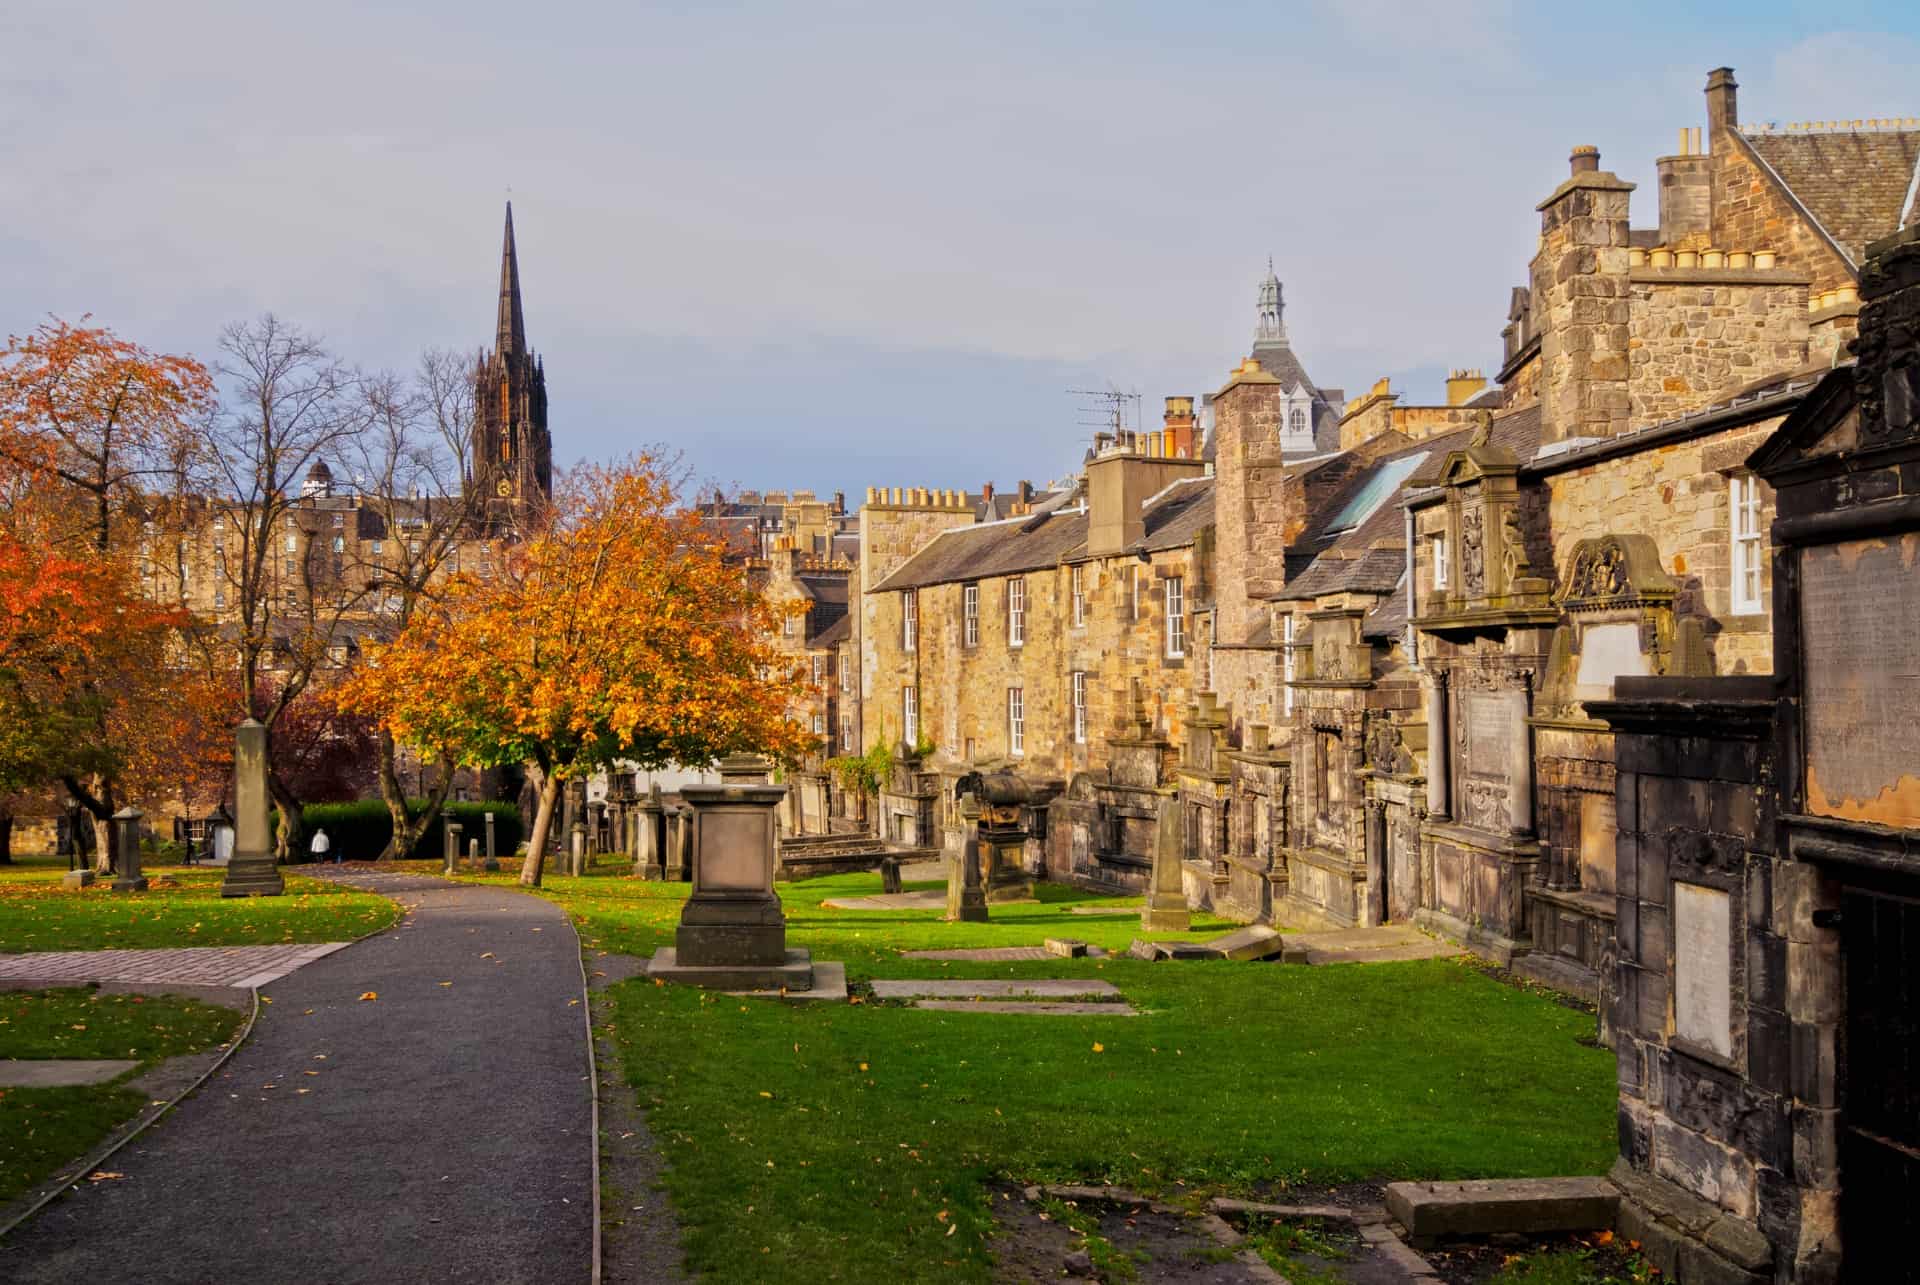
x: 1174, y: 591
x: 1016, y: 715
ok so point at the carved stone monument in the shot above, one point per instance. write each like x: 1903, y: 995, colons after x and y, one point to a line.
x: 680, y: 845
x: 1166, y: 909
x: 650, y: 837
x: 126, y: 839
x: 966, y: 878
x: 493, y: 859
x: 253, y: 870
x: 450, y: 837
x: 733, y: 934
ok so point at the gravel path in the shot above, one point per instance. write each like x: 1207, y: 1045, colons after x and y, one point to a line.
x: 438, y: 1132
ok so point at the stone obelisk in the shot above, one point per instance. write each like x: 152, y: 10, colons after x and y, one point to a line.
x: 1167, y: 909
x: 253, y: 870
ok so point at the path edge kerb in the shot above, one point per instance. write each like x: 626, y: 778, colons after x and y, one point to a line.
x: 127, y: 1133
x: 593, y: 1082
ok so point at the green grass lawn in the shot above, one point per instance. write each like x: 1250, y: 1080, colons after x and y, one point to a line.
x: 47, y: 1128
x: 855, y: 1142
x: 183, y: 907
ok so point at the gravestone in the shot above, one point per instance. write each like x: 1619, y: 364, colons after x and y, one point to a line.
x: 1166, y: 909
x: 650, y: 837
x: 680, y: 845
x: 733, y: 934
x: 493, y: 859
x: 596, y: 818
x: 966, y: 879
x: 126, y: 825
x: 473, y: 852
x: 577, y: 850
x: 889, y: 875
x: 252, y: 870
x: 450, y: 832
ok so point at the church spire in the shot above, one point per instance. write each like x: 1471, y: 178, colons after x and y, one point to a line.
x: 1270, y: 329
x: 512, y: 333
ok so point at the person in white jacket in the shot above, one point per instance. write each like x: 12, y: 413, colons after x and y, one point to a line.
x: 320, y: 846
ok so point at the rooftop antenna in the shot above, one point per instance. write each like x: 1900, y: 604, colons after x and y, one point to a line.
x: 1108, y: 409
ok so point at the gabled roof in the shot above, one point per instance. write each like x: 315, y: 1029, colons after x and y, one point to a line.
x: 1857, y: 184
x: 834, y: 634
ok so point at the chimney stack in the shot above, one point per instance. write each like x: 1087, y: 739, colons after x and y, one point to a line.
x: 1463, y: 386
x: 1585, y: 159
x: 1723, y: 110
x: 1580, y: 291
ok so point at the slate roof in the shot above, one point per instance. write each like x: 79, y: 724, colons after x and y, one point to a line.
x: 834, y: 634
x: 1276, y: 357
x: 1372, y: 557
x: 1857, y: 184
x: 1046, y: 539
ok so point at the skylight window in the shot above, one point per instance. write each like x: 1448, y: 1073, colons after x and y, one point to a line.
x: 1378, y: 490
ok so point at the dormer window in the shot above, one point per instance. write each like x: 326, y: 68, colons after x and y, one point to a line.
x: 1297, y: 421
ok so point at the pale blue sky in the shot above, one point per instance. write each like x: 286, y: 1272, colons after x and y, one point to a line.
x: 842, y: 244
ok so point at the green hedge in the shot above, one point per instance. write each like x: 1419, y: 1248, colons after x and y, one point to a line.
x: 359, y: 831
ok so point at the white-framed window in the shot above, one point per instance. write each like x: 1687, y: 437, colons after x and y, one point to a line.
x: 1078, y: 589
x: 791, y: 624
x: 846, y: 677
x: 1016, y: 613
x: 1135, y: 576
x: 1743, y: 502
x: 219, y: 598
x: 910, y: 714
x: 1286, y: 662
x: 413, y: 548
x: 1176, y: 617
x: 339, y: 519
x: 1079, y: 707
x: 339, y: 544
x: 377, y: 547
x: 1297, y: 421
x: 846, y: 733
x: 819, y: 671
x: 292, y: 543
x: 819, y: 724
x: 1016, y: 721
x: 1441, y: 569
x: 909, y: 621
x: 970, y: 615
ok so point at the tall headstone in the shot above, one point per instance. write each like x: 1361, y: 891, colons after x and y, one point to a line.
x: 650, y: 837
x: 252, y: 871
x: 966, y: 877
x: 450, y: 831
x: 577, y: 850
x: 493, y: 859
x: 732, y: 932
x: 126, y: 825
x: 1166, y: 909
x: 596, y: 818
x: 680, y: 845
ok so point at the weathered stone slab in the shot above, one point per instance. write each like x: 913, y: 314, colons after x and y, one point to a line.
x: 1382, y: 954
x: 957, y: 988
x: 1528, y: 1206
x: 59, y: 1072
x: 1034, y: 1009
x: 1256, y: 941
x: 829, y: 984
x: 795, y: 974
x: 1065, y: 947
x: 984, y: 955
x: 925, y: 899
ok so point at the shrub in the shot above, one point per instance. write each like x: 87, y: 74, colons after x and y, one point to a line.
x: 359, y: 831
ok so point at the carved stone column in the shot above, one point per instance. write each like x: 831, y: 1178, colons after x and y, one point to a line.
x: 1520, y: 766
x: 1376, y: 861
x: 1439, y: 779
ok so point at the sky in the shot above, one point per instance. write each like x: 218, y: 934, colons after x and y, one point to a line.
x: 839, y: 244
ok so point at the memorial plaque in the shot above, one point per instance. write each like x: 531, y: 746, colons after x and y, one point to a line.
x: 1489, y: 726
x: 735, y: 850
x: 1607, y: 652
x: 1702, y: 965
x: 1599, y: 829
x: 1860, y: 623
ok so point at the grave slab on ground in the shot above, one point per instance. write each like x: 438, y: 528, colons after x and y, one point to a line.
x: 1039, y: 1008
x: 59, y: 1072
x: 1385, y: 943
x: 958, y: 988
x: 924, y: 899
x: 1433, y: 1210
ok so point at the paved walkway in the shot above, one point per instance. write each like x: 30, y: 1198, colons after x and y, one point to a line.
x: 438, y: 1132
x: 183, y: 965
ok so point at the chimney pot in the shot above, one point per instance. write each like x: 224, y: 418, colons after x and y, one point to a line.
x: 1585, y: 159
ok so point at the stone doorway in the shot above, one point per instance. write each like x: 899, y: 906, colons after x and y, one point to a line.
x: 1880, y: 1084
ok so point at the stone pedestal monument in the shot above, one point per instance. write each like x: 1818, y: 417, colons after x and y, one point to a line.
x: 450, y: 835
x: 252, y: 871
x: 493, y: 859
x: 680, y: 844
x: 1166, y: 909
x: 966, y: 877
x: 732, y: 933
x: 126, y: 839
x: 650, y: 837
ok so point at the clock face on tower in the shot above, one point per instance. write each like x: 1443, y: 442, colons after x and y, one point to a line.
x: 505, y: 488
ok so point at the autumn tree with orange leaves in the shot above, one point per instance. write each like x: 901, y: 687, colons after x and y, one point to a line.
x: 616, y: 633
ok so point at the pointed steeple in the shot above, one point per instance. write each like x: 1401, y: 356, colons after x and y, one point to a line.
x: 1270, y: 329
x: 512, y: 333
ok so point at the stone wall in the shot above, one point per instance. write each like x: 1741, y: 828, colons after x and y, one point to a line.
x: 889, y: 535
x: 1678, y: 495
x: 1580, y: 300
x: 1750, y: 211
x: 1699, y: 334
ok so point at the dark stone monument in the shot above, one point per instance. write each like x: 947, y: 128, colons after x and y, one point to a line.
x: 733, y: 935
x: 493, y: 860
x: 889, y: 874
x: 450, y: 832
x: 252, y: 871
x: 126, y: 837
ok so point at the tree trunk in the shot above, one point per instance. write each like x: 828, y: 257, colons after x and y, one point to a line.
x: 6, y: 836
x: 286, y: 840
x: 98, y: 804
x: 407, y: 830
x: 542, y: 822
